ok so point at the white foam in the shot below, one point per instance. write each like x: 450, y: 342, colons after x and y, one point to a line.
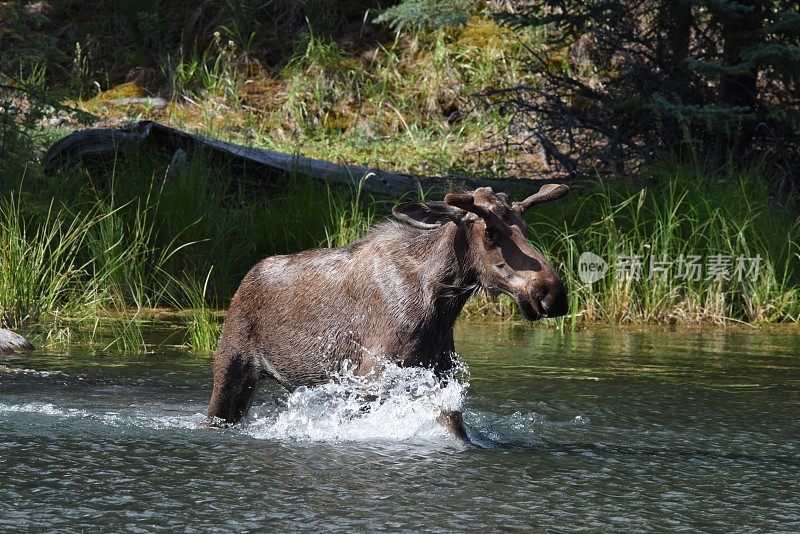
x: 34, y: 372
x: 159, y: 422
x: 116, y: 419
x: 398, y: 404
x: 44, y: 408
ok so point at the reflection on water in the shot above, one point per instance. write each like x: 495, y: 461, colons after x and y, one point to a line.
x: 597, y: 429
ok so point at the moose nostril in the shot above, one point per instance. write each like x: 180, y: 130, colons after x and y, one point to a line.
x: 554, y: 302
x: 552, y: 299
x: 546, y: 304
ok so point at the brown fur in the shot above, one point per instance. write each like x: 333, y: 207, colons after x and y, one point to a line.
x: 394, y: 294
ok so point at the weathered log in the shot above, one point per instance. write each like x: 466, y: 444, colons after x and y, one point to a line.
x: 257, y: 164
x: 11, y: 342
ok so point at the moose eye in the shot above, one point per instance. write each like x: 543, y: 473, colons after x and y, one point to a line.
x: 489, y: 234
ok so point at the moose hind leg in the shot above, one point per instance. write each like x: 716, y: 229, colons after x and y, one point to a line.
x: 453, y: 422
x: 235, y: 382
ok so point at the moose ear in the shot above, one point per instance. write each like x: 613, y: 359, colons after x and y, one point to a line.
x: 426, y: 215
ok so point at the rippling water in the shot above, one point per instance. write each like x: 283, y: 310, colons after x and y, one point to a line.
x: 598, y: 429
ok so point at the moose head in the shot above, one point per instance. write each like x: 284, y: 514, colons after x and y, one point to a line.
x: 494, y: 246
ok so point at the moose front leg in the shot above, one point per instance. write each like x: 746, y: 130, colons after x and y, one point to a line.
x: 235, y: 382
x: 451, y: 420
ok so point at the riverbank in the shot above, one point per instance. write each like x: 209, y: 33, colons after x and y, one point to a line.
x: 90, y: 251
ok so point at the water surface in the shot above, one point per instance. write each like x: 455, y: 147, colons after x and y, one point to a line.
x: 598, y: 429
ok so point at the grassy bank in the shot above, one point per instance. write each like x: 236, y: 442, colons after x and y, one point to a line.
x: 404, y: 102
x: 97, y: 255
x: 81, y: 254
x: 684, y: 245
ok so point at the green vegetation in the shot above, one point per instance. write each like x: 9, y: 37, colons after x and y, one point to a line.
x: 90, y: 256
x: 203, y: 328
x: 87, y: 255
x: 686, y: 247
x: 399, y: 105
x: 108, y: 260
x: 622, y: 82
x: 427, y: 14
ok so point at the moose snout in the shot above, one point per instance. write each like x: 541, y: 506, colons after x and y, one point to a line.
x: 551, y: 297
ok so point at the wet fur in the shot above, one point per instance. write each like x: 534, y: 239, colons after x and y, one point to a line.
x: 395, y: 295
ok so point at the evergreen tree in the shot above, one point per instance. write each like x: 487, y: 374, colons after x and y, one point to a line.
x: 621, y: 80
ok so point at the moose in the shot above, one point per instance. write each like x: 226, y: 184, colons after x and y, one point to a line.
x: 395, y: 294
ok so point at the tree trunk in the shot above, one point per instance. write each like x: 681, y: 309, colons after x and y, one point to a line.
x: 741, y: 27
x: 260, y: 167
x: 676, y: 25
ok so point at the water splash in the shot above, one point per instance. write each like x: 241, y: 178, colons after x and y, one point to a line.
x: 394, y: 404
x: 44, y: 408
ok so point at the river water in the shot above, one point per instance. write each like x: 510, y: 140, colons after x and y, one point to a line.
x: 598, y: 429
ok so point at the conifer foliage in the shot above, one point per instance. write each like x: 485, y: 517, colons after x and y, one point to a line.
x: 619, y: 80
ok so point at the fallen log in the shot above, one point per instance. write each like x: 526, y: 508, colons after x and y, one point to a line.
x: 257, y: 164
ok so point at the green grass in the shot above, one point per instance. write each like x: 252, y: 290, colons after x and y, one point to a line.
x: 347, y: 222
x: 123, y: 243
x: 41, y: 268
x: 95, y: 251
x: 403, y: 104
x: 202, y: 325
x: 125, y: 333
x: 200, y: 76
x: 681, y: 211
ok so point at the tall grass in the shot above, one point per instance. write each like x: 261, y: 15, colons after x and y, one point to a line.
x: 78, y: 263
x: 689, y: 246
x: 207, y: 73
x: 125, y: 249
x: 744, y: 247
x: 347, y: 222
x: 41, y: 268
x: 117, y: 246
x: 124, y: 332
x: 202, y: 325
x: 113, y: 247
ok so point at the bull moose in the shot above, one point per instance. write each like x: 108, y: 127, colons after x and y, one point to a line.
x: 394, y: 294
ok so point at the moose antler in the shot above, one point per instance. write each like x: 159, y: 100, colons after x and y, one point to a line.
x: 467, y: 201
x: 547, y: 193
